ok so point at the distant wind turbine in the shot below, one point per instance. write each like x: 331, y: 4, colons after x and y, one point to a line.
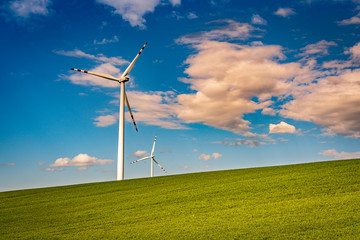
x: 123, y: 98
x: 152, y: 157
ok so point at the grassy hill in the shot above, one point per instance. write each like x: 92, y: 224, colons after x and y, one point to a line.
x: 306, y: 201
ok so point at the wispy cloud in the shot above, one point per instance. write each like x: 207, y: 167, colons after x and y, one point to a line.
x: 238, y: 142
x: 284, y: 12
x: 100, y: 58
x: 228, y: 30
x: 24, y: 9
x: 343, y: 155
x: 80, y: 160
x: 134, y: 11
x: 321, y: 47
x: 353, y: 20
x: 52, y: 169
x: 115, y: 39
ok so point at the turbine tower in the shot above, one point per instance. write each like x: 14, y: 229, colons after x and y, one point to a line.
x: 152, y: 157
x: 123, y: 98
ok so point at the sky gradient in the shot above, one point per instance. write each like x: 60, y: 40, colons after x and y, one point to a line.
x: 224, y: 85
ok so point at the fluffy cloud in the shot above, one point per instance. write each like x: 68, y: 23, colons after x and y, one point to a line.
x: 41, y: 163
x: 133, y: 11
x: 216, y: 155
x: 332, y: 102
x: 100, y: 58
x: 230, y: 30
x: 282, y: 127
x: 204, y: 157
x: 343, y: 155
x: 257, y: 19
x: 355, y: 52
x: 80, y: 160
x: 26, y: 8
x: 104, y: 121
x: 140, y: 153
x: 320, y: 47
x: 284, y: 12
x: 226, y: 77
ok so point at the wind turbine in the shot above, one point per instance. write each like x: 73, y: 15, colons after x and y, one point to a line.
x: 123, y: 98
x: 152, y: 157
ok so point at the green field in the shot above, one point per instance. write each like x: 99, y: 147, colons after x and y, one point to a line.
x: 307, y: 201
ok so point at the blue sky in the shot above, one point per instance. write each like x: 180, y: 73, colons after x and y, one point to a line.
x: 224, y: 85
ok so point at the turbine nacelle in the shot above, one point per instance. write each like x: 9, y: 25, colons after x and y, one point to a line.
x: 124, y: 79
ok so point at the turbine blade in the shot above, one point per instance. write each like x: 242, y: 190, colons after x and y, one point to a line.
x: 109, y: 77
x: 153, y: 149
x: 128, y: 69
x: 131, y: 114
x: 159, y: 165
x: 140, y: 159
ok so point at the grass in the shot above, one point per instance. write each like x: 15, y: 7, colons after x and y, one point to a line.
x: 307, y: 201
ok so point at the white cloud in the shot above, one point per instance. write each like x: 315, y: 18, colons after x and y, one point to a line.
x: 343, y: 155
x: 101, y: 58
x: 140, y: 153
x: 10, y: 164
x: 353, y: 20
x: 80, y: 160
x: 26, y: 8
x: 195, y: 150
x: 207, y: 167
x: 282, y: 127
x: 133, y: 11
x: 216, y: 155
x: 332, y: 102
x: 284, y: 12
x: 41, y: 163
x: 321, y: 47
x: 104, y: 121
x: 115, y: 39
x: 226, y: 77
x: 186, y: 167
x: 257, y: 19
x: 204, y: 157
x: 230, y: 30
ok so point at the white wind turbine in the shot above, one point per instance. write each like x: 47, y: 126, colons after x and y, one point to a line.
x: 123, y: 98
x: 152, y: 157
